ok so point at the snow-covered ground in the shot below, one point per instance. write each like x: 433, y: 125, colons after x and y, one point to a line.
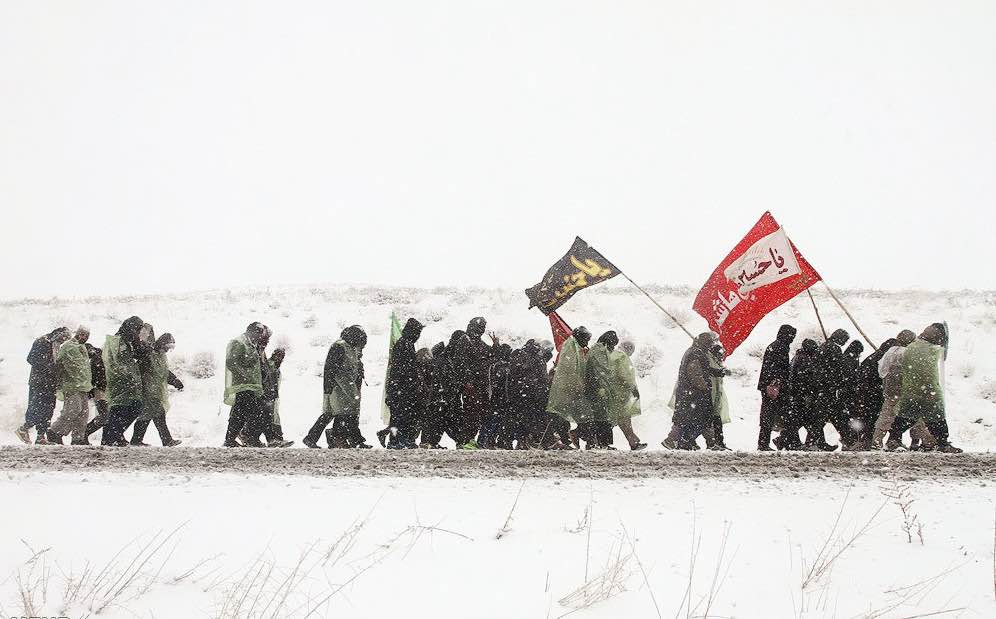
x: 271, y: 546
x: 309, y: 319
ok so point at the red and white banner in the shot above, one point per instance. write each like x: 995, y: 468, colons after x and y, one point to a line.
x: 762, y: 272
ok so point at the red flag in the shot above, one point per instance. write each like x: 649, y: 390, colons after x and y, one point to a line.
x: 763, y: 271
x: 560, y: 330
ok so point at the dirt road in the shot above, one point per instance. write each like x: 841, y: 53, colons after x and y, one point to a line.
x: 499, y: 464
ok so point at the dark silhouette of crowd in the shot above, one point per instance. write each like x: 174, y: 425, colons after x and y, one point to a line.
x: 484, y: 394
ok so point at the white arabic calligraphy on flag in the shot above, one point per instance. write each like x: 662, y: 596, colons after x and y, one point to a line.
x: 769, y: 260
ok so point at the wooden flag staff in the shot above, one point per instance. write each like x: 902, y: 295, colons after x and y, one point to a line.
x: 851, y: 318
x: 659, y: 306
x: 818, y: 319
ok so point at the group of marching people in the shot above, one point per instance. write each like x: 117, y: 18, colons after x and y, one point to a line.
x: 126, y: 380
x: 898, y: 388
x: 483, y: 394
x: 487, y: 395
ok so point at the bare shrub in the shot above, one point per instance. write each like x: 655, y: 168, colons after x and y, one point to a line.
x: 321, y: 341
x: 647, y: 357
x: 900, y: 494
x: 987, y: 390
x: 200, y: 365
x: 607, y: 583
x: 834, y: 546
x: 310, y: 322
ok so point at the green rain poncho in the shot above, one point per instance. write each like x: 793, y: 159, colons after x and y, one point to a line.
x: 567, y: 398
x: 155, y: 402
x: 124, y: 380
x: 242, y: 369
x: 345, y: 396
x: 623, y: 403
x: 719, y: 402
x: 923, y: 388
x: 74, y: 368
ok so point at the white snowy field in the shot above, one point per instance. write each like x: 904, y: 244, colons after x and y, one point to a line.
x: 309, y: 319
x: 159, y: 545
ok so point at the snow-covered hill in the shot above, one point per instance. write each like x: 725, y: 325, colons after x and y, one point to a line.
x: 308, y: 319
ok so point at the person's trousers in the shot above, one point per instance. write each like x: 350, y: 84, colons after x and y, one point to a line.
x: 119, y: 418
x: 73, y: 417
x: 770, y: 412
x: 713, y: 433
x: 345, y: 429
x: 138, y: 433
x: 247, y: 412
x: 556, y: 427
x: 488, y: 436
x: 691, y: 430
x: 41, y: 407
x: 937, y: 426
x: 98, y: 422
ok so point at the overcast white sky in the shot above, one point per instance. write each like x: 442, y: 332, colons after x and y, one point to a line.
x: 148, y: 146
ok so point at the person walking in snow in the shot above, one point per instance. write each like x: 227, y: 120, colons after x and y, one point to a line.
x: 450, y: 373
x: 625, y: 402
x: 693, y: 399
x: 870, y: 396
x: 773, y: 384
x: 800, y: 393
x: 42, y: 384
x: 829, y: 375
x: 567, y: 398
x: 273, y: 431
x: 847, y: 413
x: 75, y: 384
x: 99, y: 393
x: 123, y: 353
x: 499, y: 397
x: 890, y: 370
x: 244, y: 385
x: 475, y: 393
x: 406, y: 389
x: 922, y: 394
x: 713, y: 433
x: 156, y: 375
x: 342, y: 383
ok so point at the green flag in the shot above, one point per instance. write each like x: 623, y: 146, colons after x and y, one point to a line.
x: 394, y: 336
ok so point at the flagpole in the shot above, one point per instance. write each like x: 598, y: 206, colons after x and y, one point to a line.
x: 659, y: 306
x: 851, y: 318
x: 818, y: 319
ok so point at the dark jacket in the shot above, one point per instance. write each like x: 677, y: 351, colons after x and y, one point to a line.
x: 803, y: 373
x: 97, y: 371
x: 693, y: 392
x: 406, y: 383
x: 870, y: 394
x: 42, y: 360
x: 829, y: 371
x: 775, y: 366
x: 528, y: 380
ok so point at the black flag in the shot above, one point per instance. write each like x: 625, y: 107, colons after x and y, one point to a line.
x: 581, y: 267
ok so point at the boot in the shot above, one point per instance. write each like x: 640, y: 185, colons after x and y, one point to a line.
x: 382, y: 436
x: 172, y: 442
x: 948, y: 448
x: 22, y: 433
x: 53, y: 438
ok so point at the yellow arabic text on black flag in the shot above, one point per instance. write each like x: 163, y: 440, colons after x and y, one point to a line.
x: 580, y: 268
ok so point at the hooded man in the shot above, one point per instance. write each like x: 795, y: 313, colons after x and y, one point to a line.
x: 871, y: 395
x: 123, y: 355
x: 450, y: 373
x: 567, y: 398
x: 499, y: 397
x: 525, y: 422
x: 475, y: 401
x: 801, y: 389
x: 848, y: 418
x: 922, y: 394
x: 773, y: 383
x: 42, y: 384
x: 99, y: 393
x: 599, y: 389
x: 244, y: 385
x: 342, y: 384
x: 406, y: 388
x: 829, y: 375
x: 693, y: 397
x: 75, y: 383
x: 156, y: 375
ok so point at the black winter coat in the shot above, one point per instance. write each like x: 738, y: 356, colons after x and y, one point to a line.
x: 42, y: 360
